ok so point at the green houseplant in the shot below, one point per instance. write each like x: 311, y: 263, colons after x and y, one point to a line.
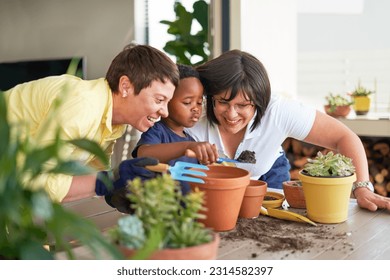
x: 361, y: 99
x: 337, y: 105
x: 327, y: 183
x: 164, y: 224
x: 29, y: 220
x: 187, y: 47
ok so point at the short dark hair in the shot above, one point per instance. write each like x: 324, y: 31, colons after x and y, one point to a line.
x: 187, y: 71
x: 142, y: 64
x: 236, y: 71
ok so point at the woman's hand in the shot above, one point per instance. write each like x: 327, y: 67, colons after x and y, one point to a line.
x: 205, y: 152
x: 371, y: 201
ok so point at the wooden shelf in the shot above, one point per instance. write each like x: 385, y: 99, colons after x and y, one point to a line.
x: 370, y: 125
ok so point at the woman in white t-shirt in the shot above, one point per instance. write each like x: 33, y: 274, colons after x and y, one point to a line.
x: 241, y: 114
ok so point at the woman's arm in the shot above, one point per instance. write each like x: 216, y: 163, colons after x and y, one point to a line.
x: 81, y: 187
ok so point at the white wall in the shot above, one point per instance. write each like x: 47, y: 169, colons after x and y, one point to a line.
x: 337, y: 49
x: 268, y: 30
x: 313, y: 47
x: 332, y: 31
x: 40, y: 29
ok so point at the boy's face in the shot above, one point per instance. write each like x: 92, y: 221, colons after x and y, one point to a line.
x: 185, y: 108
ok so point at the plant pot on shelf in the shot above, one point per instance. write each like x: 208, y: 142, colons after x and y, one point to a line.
x: 293, y: 192
x: 224, y: 188
x: 253, y: 199
x: 206, y: 251
x: 327, y: 198
x: 361, y: 104
x: 339, y: 111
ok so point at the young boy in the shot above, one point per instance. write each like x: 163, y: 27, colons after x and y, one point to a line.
x: 167, y: 140
x: 185, y: 109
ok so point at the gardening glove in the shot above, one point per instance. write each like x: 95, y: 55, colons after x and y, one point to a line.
x: 117, y: 198
x: 107, y: 182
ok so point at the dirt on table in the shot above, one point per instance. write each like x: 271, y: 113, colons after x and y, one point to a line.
x: 279, y: 235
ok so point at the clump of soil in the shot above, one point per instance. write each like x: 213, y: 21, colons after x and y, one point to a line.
x: 279, y: 235
x: 269, y: 197
x: 247, y: 157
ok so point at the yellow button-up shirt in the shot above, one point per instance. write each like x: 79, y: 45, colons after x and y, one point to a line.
x: 80, y: 108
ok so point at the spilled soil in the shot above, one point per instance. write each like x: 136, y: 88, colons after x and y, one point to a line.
x: 275, y: 235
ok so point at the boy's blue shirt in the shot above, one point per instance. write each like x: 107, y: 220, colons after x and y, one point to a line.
x: 159, y: 133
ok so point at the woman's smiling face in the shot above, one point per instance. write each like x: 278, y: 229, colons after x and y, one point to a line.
x: 149, y: 105
x: 234, y: 115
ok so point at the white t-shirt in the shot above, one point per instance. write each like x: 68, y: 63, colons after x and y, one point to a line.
x: 282, y: 119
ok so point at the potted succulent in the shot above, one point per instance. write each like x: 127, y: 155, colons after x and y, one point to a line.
x: 327, y: 184
x: 337, y: 105
x: 164, y: 224
x: 29, y: 220
x: 361, y: 99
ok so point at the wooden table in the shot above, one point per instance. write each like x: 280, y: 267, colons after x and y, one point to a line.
x: 365, y: 235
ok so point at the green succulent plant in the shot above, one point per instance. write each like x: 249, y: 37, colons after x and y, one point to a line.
x: 329, y: 164
x: 337, y: 100
x: 165, y: 213
x: 361, y: 91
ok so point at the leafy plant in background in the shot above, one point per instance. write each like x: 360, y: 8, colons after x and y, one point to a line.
x: 186, y: 47
x: 337, y: 100
x: 329, y: 164
x: 29, y: 220
x: 361, y: 91
x: 163, y: 216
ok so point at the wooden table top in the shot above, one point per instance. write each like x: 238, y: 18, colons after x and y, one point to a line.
x: 364, y: 236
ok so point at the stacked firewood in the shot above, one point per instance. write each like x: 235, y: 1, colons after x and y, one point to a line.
x: 378, y: 155
x: 377, y: 152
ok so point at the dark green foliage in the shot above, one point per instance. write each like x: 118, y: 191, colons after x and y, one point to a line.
x: 187, y: 47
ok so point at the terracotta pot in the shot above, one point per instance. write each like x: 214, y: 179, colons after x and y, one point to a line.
x: 253, y: 199
x: 293, y: 192
x: 207, y: 251
x: 361, y: 104
x: 224, y: 189
x: 327, y: 198
x: 339, y: 112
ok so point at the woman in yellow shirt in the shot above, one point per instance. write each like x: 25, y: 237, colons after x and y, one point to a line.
x: 138, y: 85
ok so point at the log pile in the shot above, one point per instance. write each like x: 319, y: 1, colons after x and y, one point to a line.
x: 378, y: 155
x: 377, y: 151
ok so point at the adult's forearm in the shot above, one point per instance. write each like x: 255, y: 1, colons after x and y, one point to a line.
x: 81, y: 187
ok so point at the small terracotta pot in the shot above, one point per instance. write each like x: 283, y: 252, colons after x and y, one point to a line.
x: 224, y: 188
x: 339, y: 112
x: 253, y: 199
x: 207, y: 251
x: 293, y: 192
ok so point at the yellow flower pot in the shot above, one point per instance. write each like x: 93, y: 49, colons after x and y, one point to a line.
x: 327, y: 198
x: 361, y: 104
